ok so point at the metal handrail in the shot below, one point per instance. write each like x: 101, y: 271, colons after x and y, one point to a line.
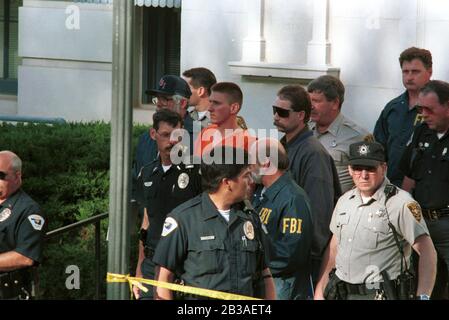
x: 95, y: 220
x: 79, y: 224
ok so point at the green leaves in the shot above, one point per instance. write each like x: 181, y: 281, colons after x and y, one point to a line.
x: 66, y: 170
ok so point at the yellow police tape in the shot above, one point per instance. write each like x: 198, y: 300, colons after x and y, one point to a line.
x: 113, y: 277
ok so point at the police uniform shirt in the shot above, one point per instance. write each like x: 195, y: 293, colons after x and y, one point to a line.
x: 285, y: 211
x: 393, y: 130
x: 146, y: 153
x: 426, y: 160
x: 22, y: 226
x: 313, y: 169
x: 366, y: 244
x: 341, y: 133
x: 204, y: 120
x: 208, y: 252
x: 163, y: 191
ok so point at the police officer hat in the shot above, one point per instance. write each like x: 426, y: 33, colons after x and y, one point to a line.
x: 369, y: 154
x: 170, y: 85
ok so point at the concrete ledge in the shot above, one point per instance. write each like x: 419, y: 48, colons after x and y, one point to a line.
x: 8, y: 104
x: 278, y: 70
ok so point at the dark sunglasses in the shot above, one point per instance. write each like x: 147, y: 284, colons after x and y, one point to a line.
x: 3, y: 175
x: 283, y: 113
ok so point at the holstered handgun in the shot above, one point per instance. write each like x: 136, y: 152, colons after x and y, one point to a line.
x: 406, y: 286
x: 15, y: 285
x: 388, y: 286
x: 333, y: 288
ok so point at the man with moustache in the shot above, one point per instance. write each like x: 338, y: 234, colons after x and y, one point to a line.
x: 399, y: 117
x: 425, y: 164
x: 335, y: 131
x: 22, y: 230
x: 172, y: 93
x: 375, y: 226
x: 165, y: 185
x: 311, y: 166
x: 214, y: 241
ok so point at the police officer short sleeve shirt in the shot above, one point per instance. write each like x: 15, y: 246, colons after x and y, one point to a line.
x: 366, y: 245
x: 165, y: 190
x: 207, y: 252
x: 393, y: 129
x: 426, y: 160
x: 22, y: 226
x: 341, y: 133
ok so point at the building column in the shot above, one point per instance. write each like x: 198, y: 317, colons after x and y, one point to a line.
x: 120, y: 161
x: 254, y: 43
x: 318, y: 49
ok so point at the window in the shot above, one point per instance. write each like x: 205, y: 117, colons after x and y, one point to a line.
x: 9, y: 36
x: 161, y: 46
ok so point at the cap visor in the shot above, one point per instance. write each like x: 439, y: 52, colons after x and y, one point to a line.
x: 364, y: 162
x: 156, y: 92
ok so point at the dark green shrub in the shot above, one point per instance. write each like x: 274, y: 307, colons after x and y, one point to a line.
x: 66, y: 170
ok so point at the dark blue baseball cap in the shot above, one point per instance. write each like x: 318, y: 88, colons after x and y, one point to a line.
x: 369, y: 154
x: 170, y: 85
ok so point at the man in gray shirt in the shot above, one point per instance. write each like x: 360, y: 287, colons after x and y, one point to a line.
x: 375, y: 226
x: 310, y: 164
x: 331, y: 127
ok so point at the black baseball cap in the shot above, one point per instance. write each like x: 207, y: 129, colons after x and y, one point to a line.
x: 170, y: 85
x: 369, y: 154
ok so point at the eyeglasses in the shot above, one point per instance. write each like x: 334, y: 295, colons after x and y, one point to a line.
x: 359, y: 169
x: 161, y: 99
x: 3, y: 175
x: 283, y: 113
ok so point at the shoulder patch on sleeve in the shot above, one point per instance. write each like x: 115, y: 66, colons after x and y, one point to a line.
x: 415, y: 209
x: 170, y: 224
x: 37, y: 222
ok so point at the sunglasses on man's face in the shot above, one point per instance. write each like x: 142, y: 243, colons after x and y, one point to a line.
x: 283, y: 113
x: 3, y: 175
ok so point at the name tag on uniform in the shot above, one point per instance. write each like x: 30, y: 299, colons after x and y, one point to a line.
x: 207, y: 238
x: 148, y: 184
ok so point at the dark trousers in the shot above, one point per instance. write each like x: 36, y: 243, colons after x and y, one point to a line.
x: 439, y: 232
x: 147, y: 268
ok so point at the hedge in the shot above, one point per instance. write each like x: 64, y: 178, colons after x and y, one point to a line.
x: 66, y: 170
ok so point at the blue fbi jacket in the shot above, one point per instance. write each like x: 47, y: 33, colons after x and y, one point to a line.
x: 284, y: 209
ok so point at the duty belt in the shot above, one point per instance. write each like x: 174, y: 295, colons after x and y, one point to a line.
x: 364, y: 288
x: 15, y: 285
x: 435, y: 214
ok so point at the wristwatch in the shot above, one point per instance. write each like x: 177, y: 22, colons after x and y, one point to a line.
x: 423, y: 297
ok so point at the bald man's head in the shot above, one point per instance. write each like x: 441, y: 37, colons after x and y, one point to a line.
x: 10, y: 174
x: 270, y: 155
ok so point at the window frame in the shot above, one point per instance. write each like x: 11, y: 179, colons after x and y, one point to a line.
x: 7, y: 85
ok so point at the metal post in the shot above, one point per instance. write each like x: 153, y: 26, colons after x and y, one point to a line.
x: 98, y: 278
x: 121, y: 124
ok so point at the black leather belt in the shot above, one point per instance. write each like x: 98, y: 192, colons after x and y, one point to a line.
x: 361, y: 289
x: 148, y: 252
x: 365, y: 288
x: 15, y: 285
x: 435, y: 214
